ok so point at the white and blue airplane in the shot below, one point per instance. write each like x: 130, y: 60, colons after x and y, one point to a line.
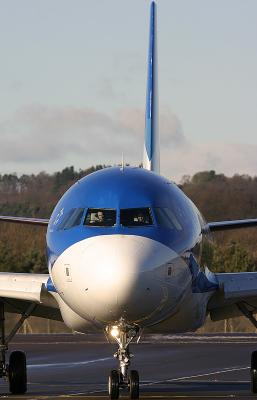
x: 124, y: 250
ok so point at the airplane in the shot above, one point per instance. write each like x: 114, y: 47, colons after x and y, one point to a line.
x: 125, y: 256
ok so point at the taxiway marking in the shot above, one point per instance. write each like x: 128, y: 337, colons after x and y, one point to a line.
x: 221, y: 371
x: 68, y: 364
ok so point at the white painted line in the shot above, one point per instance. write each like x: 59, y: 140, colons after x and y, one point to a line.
x: 68, y: 364
x: 200, y: 337
x: 222, y: 371
x: 48, y: 343
x: 201, y: 342
x: 90, y: 393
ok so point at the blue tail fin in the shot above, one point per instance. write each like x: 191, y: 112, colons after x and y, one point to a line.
x: 152, y: 146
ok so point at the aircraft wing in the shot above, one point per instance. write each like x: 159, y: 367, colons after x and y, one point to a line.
x: 237, y: 292
x: 24, y: 220
x: 19, y: 291
x: 236, y: 295
x: 226, y: 225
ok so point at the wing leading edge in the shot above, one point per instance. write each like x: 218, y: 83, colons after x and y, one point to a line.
x: 19, y: 291
x: 229, y: 225
x: 24, y: 220
x: 237, y: 292
x: 236, y: 295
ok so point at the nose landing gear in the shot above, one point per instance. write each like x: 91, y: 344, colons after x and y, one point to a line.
x: 123, y: 333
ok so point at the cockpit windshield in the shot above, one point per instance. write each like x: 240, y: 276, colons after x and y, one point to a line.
x: 135, y: 217
x: 70, y: 219
x: 100, y: 217
x: 165, y: 217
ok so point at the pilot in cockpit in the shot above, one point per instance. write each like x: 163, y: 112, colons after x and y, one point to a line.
x: 99, y: 217
x: 141, y: 219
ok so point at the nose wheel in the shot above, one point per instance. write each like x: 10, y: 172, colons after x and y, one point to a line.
x: 122, y: 378
x: 114, y: 385
x: 133, y: 382
x: 115, y: 382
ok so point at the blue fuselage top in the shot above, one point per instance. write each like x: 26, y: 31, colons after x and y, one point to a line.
x: 125, y: 188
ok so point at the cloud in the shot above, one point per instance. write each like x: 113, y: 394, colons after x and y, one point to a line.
x: 104, y: 89
x: 227, y: 158
x: 37, y: 134
x: 38, y: 138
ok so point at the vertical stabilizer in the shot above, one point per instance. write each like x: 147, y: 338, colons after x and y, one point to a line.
x: 152, y: 145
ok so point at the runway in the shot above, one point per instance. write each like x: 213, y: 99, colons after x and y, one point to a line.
x: 170, y: 367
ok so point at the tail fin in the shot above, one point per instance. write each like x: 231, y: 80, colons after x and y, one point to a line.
x: 152, y: 145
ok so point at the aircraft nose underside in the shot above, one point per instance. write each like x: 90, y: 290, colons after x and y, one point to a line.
x: 106, y: 277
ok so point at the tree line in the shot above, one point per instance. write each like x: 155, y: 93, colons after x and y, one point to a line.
x: 22, y: 248
x: 219, y: 197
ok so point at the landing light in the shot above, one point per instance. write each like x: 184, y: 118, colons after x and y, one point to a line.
x: 115, y: 331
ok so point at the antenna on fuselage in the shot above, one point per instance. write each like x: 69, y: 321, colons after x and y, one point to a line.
x: 122, y: 162
x: 152, y: 145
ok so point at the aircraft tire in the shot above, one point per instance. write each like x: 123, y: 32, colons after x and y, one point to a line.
x: 133, y: 385
x: 254, y: 380
x: 113, y: 385
x: 254, y: 372
x: 254, y: 360
x: 17, y: 372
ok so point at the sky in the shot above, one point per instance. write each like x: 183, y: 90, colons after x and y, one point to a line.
x: 73, y: 84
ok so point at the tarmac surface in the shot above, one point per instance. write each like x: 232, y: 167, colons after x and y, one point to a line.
x: 170, y: 367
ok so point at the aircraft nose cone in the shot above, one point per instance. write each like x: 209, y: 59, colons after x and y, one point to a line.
x: 121, y: 275
x: 112, y: 267
x: 114, y: 275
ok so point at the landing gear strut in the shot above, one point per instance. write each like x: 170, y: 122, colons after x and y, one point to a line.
x: 248, y: 313
x: 123, y: 333
x: 16, y: 371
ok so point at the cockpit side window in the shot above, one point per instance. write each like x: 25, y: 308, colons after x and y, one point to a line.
x: 71, y: 219
x: 100, y: 217
x: 135, y: 217
x: 166, y: 218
